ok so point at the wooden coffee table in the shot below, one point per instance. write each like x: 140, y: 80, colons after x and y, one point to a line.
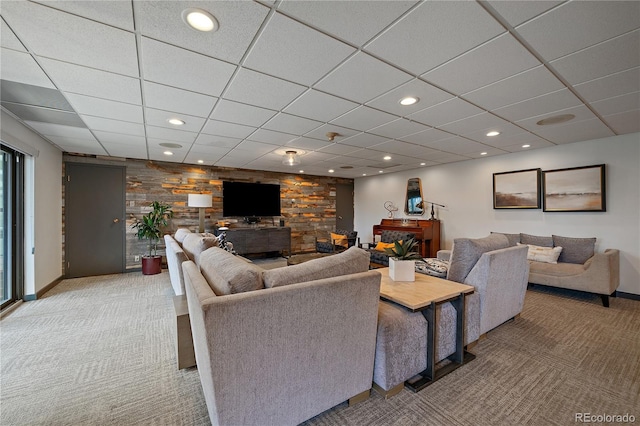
x: 422, y: 295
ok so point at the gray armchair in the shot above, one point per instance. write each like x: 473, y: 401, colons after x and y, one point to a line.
x: 387, y: 236
x: 330, y: 245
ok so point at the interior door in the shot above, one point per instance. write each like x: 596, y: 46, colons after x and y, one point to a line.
x: 94, y: 219
x: 344, y: 206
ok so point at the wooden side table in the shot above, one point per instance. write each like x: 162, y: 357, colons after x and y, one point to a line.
x: 184, y: 340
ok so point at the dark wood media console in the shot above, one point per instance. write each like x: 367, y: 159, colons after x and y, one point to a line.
x: 427, y: 232
x: 260, y: 240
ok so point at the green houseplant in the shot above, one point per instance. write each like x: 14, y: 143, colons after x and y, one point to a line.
x: 150, y: 228
x: 402, y: 257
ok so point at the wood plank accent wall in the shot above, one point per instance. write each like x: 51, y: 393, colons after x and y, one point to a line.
x: 312, y: 214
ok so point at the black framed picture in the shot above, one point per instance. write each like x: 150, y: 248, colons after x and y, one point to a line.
x: 519, y: 189
x: 578, y: 189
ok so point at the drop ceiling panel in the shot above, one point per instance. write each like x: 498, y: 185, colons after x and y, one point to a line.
x: 104, y: 108
x: 404, y: 148
x: 579, y: 24
x: 235, y: 112
x: 228, y: 161
x: 350, y: 82
x: 92, y: 82
x: 209, y: 152
x: 625, y: 122
x: 610, y: 86
x: 47, y: 115
x: 364, y: 140
x: 295, y: 52
x: 553, y: 101
x: 185, y: 70
x: 182, y: 101
x: 55, y: 34
x: 261, y: 90
x: 495, y: 60
x: 339, y: 149
x: 217, y: 141
x: 427, y: 136
x: 115, y: 13
x: 307, y: 144
x: 171, y: 135
x: 159, y: 118
x: 138, y: 142
x: 540, y: 143
x: 239, y: 23
x: 318, y: 105
x: 91, y: 149
x: 22, y: 68
x: 575, y: 132
x: 517, y: 12
x: 528, y: 84
x: 363, y: 118
x: 581, y: 113
x: 119, y: 150
x: 445, y: 112
x: 487, y: 152
x: 427, y: 94
x: 255, y: 149
x: 478, y: 126
x: 618, y: 54
x: 445, y: 157
x: 619, y: 104
x: 269, y: 136
x: 48, y: 129
x: 158, y: 154
x: 287, y: 123
x: 113, y: 126
x: 353, y: 21
x: 321, y: 132
x: 450, y: 27
x: 8, y: 38
x: 27, y: 94
x: 398, y: 128
x: 231, y: 130
x: 457, y: 145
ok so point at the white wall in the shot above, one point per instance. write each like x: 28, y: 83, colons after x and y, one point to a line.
x: 44, y: 200
x: 466, y: 189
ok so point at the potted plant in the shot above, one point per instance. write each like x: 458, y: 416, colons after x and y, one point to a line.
x: 402, y: 257
x: 149, y: 227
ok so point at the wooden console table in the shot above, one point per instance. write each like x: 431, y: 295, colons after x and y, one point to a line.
x: 427, y: 232
x: 260, y: 239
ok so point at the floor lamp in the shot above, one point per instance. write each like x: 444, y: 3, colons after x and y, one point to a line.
x: 201, y: 201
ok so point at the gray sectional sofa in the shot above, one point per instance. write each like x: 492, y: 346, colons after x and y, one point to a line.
x: 279, y: 346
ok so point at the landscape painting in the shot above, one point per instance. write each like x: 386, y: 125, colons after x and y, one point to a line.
x: 579, y: 189
x: 517, y: 190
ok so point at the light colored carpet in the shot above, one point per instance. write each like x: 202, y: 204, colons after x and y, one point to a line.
x: 100, y: 351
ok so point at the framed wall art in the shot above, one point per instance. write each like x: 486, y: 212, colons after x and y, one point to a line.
x: 519, y: 189
x: 578, y: 189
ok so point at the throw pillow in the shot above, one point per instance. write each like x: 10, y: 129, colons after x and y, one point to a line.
x: 575, y: 250
x: 434, y: 267
x: 194, y: 244
x: 514, y: 239
x: 229, y: 274
x: 543, y: 254
x: 339, y: 240
x: 382, y: 246
x: 467, y: 251
x: 180, y: 234
x: 536, y: 240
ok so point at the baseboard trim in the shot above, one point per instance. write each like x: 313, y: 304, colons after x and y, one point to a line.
x: 624, y: 295
x: 39, y: 294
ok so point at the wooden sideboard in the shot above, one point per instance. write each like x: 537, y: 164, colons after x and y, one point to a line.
x: 260, y: 240
x: 427, y: 232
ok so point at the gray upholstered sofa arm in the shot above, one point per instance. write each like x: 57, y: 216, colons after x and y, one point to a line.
x: 444, y: 255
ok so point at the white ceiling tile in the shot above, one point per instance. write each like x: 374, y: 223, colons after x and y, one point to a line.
x: 353, y: 21
x: 288, y: 123
x: 427, y: 136
x: 579, y: 24
x: 216, y: 141
x: 185, y: 70
x: 113, y: 126
x: 553, y: 101
x: 261, y: 90
x: 364, y: 140
x: 231, y: 130
x: 478, y: 126
x: 228, y: 161
x: 404, y: 148
x: 258, y: 148
x: 92, y: 82
x: 624, y: 122
x: 89, y: 141
x: 115, y: 13
x: 238, y: 113
x: 48, y: 129
x: 446, y: 157
x: 445, y: 112
x: 160, y: 118
x: 618, y: 104
x: 610, y: 86
x: 158, y: 154
x: 87, y: 105
x: 320, y: 106
x: 517, y: 12
x: 581, y: 113
x: 239, y: 23
x: 427, y: 94
x: 575, y: 132
x: 495, y: 60
x: 457, y: 145
x: 618, y: 54
x: 398, y: 128
x: 269, y: 136
x: 363, y: 118
x: 321, y: 132
x: 81, y: 148
x: 8, y: 39
x: 209, y: 152
x: 433, y: 33
x: 295, y: 52
x: 528, y: 84
x: 122, y: 150
x: 539, y: 143
x: 181, y: 101
x: 170, y: 135
x: 487, y: 152
x: 350, y: 82
x: 22, y: 68
x: 120, y: 139
x: 59, y: 35
x: 307, y: 144
x: 339, y: 149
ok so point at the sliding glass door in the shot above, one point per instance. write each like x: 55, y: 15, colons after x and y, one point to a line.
x: 11, y: 226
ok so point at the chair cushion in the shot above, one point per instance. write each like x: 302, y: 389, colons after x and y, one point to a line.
x: 339, y: 240
x: 575, y: 250
x: 434, y: 267
x: 382, y: 246
x: 467, y: 251
x: 350, y: 261
x: 543, y: 254
x: 388, y: 236
x: 536, y: 240
x: 229, y: 274
x: 180, y: 234
x: 194, y: 244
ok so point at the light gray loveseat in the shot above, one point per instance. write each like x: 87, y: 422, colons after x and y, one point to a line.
x: 282, y: 354
x: 579, y: 267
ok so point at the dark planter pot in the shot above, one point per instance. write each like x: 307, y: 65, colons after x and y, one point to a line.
x: 151, y: 265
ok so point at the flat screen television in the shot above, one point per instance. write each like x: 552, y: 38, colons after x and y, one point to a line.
x: 250, y: 199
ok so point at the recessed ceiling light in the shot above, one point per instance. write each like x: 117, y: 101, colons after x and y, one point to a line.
x: 200, y: 161
x: 300, y: 171
x: 380, y: 171
x: 526, y: 146
x: 170, y: 145
x: 331, y: 170
x: 168, y: 153
x: 176, y: 121
x: 200, y: 20
x: 409, y: 100
x: 483, y: 153
x: 493, y: 133
x: 364, y: 174
x: 556, y: 119
x: 423, y: 164
x: 387, y: 157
